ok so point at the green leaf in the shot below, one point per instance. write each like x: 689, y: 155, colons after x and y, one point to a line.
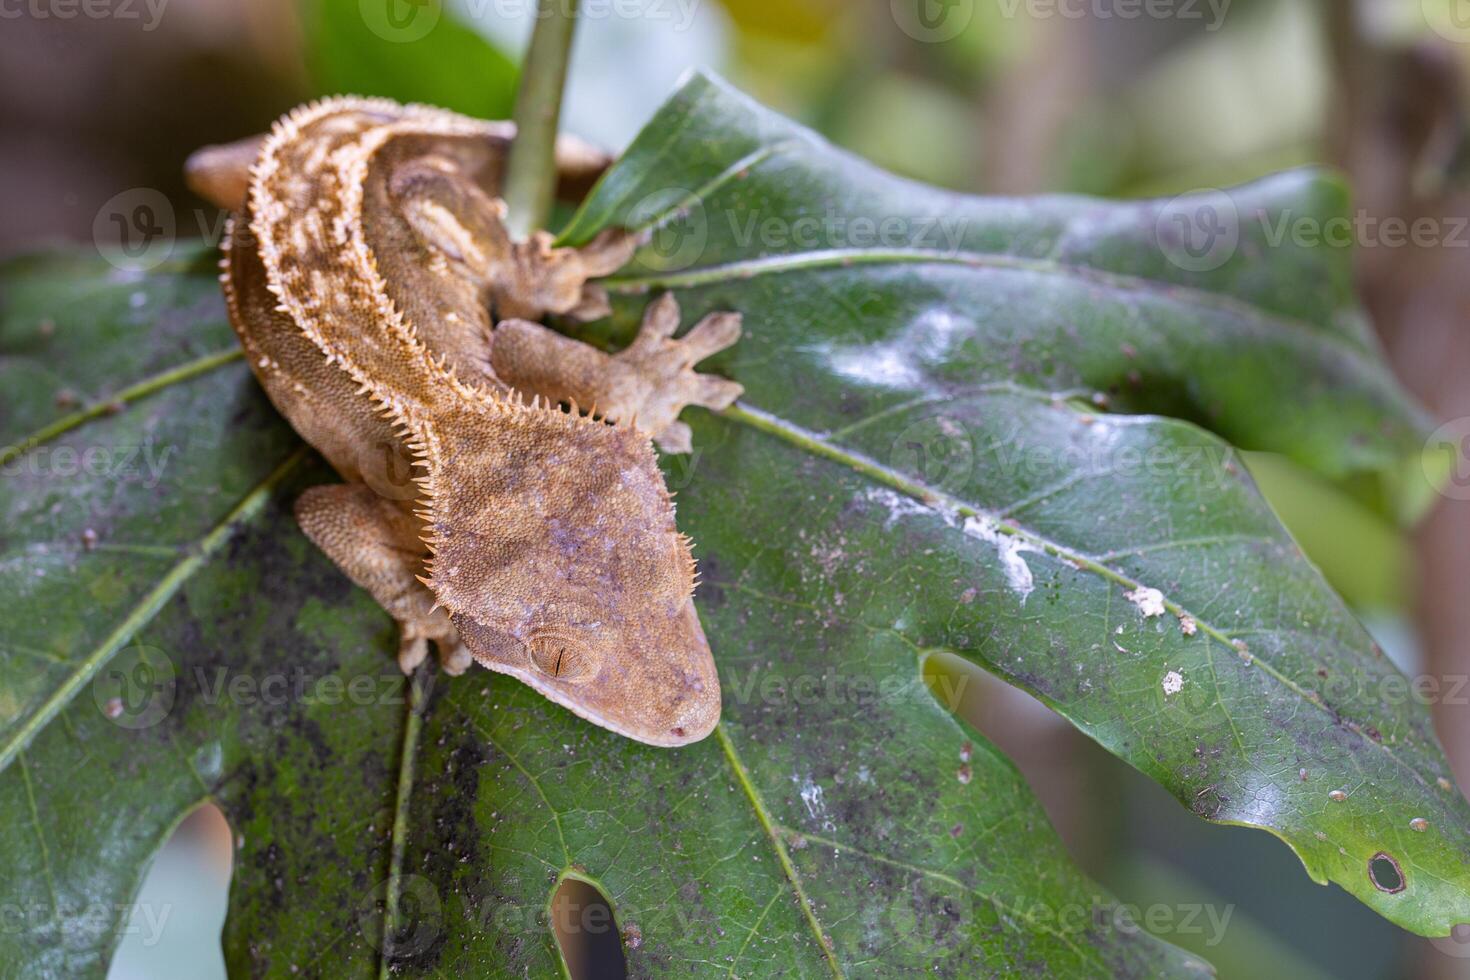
x: 195, y: 646
x: 409, y: 50
x: 944, y: 360
x: 911, y: 472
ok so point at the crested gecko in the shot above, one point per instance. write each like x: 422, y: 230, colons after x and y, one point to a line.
x: 391, y: 318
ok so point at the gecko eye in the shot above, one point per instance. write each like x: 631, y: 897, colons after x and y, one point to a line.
x: 558, y: 655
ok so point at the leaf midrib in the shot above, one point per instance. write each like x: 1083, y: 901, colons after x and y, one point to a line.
x: 944, y: 505
x: 773, y: 833
x: 842, y: 258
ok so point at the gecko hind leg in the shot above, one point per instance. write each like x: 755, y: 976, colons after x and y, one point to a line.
x: 651, y: 381
x: 376, y: 542
x: 454, y: 217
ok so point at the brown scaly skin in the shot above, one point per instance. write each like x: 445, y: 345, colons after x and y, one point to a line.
x: 379, y: 300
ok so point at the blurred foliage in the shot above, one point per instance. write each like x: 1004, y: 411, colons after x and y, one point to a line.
x: 426, y: 56
x: 1364, y: 556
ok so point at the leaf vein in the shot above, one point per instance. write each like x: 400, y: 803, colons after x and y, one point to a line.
x: 149, y: 607
x: 946, y: 505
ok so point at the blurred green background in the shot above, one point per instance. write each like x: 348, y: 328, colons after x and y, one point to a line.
x: 985, y: 96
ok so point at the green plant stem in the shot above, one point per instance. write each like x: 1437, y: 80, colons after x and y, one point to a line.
x: 530, y: 181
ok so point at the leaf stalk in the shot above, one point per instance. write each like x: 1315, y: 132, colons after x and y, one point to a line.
x: 530, y: 182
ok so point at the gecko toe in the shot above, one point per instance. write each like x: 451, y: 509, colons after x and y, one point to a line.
x: 413, y: 648
x: 454, y: 656
x: 660, y: 321
x: 716, y: 393
x: 711, y: 335
x: 676, y: 437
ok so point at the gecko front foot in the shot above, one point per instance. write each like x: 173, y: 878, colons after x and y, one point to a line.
x: 649, y: 383
x: 665, y: 370
x: 376, y: 542
x: 415, y: 635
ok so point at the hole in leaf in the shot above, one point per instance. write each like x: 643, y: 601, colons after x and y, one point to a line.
x: 173, y: 926
x: 959, y: 686
x: 1386, y: 874
x: 587, y: 932
x: 1063, y: 768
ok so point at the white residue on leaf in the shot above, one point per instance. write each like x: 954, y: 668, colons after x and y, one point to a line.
x: 902, y: 361
x: 1150, y: 602
x: 1009, y: 548
x: 1173, y: 682
x: 816, y: 806
x: 884, y: 364
x: 897, y: 505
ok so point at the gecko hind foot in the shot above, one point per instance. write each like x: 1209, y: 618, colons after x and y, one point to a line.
x: 535, y: 278
x: 455, y: 219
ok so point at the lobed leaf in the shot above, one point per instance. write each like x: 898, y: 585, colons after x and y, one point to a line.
x: 946, y: 445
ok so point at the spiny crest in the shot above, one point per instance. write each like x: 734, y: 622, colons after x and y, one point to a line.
x: 425, y: 379
x: 352, y: 178
x: 226, y: 280
x: 345, y: 169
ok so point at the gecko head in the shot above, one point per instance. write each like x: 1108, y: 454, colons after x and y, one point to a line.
x: 557, y: 557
